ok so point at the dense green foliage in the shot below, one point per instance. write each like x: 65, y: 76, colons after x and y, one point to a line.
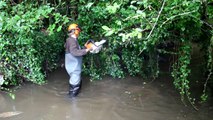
x: 27, y: 51
x: 137, y: 31
x: 137, y: 34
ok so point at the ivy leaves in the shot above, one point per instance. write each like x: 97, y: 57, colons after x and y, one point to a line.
x: 112, y: 8
x: 25, y: 20
x: 108, y: 31
x: 143, y: 25
x: 23, y: 30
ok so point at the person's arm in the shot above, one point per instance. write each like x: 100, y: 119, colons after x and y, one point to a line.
x: 74, y: 48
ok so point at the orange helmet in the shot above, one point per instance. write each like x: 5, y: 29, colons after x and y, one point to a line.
x: 74, y: 28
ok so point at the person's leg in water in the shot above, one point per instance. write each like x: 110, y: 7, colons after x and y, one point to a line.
x: 75, y: 84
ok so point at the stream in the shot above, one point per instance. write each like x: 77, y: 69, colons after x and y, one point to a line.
x: 131, y: 98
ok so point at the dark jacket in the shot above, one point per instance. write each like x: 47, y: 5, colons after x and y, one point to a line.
x: 73, y: 47
x: 73, y: 56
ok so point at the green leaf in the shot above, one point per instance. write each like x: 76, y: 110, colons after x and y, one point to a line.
x: 89, y: 5
x: 132, y: 2
x: 118, y: 22
x: 143, y: 14
x: 109, y: 33
x: 59, y: 28
x: 139, y: 35
x: 2, y: 4
x: 113, y: 8
x: 133, y: 7
x: 106, y: 28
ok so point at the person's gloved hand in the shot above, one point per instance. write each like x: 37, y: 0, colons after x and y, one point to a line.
x: 89, y: 44
x: 89, y: 49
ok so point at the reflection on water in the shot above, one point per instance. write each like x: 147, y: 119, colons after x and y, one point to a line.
x: 109, y: 99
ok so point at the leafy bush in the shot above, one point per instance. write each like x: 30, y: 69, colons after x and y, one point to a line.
x: 138, y: 28
x: 27, y: 51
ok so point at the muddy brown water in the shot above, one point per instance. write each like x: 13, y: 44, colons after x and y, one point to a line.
x: 131, y: 98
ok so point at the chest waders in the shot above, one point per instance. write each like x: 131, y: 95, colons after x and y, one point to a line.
x: 73, y: 67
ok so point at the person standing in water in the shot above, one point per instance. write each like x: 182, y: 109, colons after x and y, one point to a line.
x: 73, y: 59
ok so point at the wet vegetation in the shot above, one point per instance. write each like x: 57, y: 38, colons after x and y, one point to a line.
x: 139, y: 35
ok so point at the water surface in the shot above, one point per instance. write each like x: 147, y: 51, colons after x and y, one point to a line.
x: 131, y: 98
